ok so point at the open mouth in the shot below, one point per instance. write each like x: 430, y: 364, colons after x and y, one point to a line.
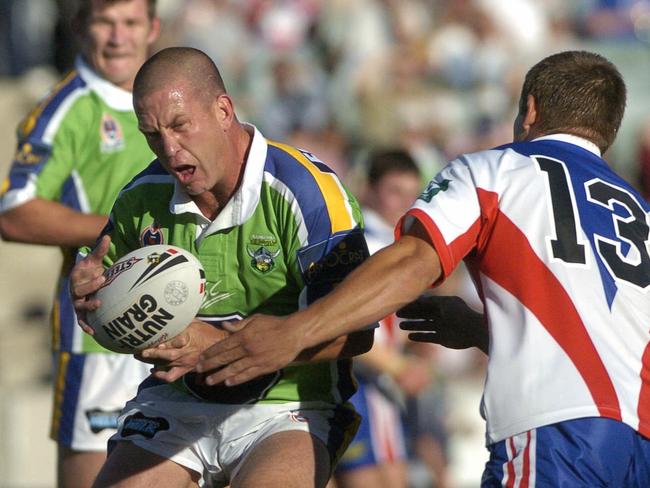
x: 184, y: 172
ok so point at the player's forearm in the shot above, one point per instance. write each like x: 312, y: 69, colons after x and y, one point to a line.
x: 47, y: 222
x: 340, y: 348
x: 386, y: 281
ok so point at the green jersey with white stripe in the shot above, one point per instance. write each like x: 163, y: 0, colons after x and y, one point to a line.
x: 290, y: 233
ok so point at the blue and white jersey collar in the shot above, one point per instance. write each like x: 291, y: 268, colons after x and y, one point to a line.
x: 112, y: 95
x: 571, y: 139
x: 243, y: 203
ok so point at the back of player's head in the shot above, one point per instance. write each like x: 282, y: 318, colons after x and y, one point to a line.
x: 383, y: 161
x: 190, y: 66
x: 85, y: 7
x: 577, y: 92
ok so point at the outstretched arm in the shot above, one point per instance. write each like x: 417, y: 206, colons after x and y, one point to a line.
x: 388, y: 280
x: 40, y: 221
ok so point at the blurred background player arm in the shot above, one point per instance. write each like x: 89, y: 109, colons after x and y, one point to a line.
x: 445, y: 320
x: 41, y: 221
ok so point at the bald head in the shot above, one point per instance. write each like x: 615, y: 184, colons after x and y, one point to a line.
x: 170, y: 66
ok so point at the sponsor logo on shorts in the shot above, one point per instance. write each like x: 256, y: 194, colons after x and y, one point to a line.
x: 100, y: 420
x: 112, y: 138
x: 138, y: 423
x: 433, y: 188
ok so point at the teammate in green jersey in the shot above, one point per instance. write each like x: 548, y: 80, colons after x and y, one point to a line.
x: 76, y: 150
x: 275, y: 229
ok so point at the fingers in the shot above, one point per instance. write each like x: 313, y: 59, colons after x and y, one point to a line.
x: 85, y: 327
x: 102, y: 247
x: 221, y: 353
x: 430, y: 337
x: 422, y: 325
x: 86, y: 281
x: 233, y: 327
x: 234, y: 374
x: 169, y: 375
x: 158, y: 355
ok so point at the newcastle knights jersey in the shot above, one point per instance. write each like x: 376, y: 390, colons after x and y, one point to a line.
x: 559, y: 248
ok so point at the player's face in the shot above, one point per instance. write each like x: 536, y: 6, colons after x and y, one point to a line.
x: 117, y: 39
x: 394, y: 194
x: 187, y: 134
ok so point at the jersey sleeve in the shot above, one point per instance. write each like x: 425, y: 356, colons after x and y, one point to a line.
x: 328, y: 240
x: 450, y: 210
x: 43, y: 161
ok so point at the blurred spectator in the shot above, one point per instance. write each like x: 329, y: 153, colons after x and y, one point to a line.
x: 26, y: 33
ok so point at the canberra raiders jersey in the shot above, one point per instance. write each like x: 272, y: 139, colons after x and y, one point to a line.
x: 289, y: 233
x: 559, y: 247
x: 79, y: 147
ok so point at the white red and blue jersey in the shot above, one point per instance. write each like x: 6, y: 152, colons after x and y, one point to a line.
x: 559, y: 248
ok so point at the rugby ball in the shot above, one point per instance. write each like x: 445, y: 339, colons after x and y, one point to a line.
x: 150, y: 295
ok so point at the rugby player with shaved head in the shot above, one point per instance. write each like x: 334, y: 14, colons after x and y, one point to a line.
x: 274, y: 229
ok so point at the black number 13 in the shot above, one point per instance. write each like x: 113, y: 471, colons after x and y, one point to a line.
x: 633, y: 229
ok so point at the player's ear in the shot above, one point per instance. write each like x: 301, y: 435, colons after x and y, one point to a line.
x: 224, y: 110
x: 531, y: 113
x: 154, y: 32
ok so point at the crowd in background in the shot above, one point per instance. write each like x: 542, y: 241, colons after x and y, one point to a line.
x: 439, y: 77
x: 436, y: 77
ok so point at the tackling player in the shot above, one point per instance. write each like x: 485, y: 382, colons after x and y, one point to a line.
x: 559, y: 248
x: 76, y: 150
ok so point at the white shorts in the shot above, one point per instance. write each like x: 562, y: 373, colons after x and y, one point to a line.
x: 214, y: 439
x: 90, y: 390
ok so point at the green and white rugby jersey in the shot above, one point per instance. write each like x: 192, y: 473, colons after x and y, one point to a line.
x: 290, y: 232
x: 80, y: 146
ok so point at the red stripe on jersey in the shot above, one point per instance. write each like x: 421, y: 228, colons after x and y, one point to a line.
x: 511, y: 464
x: 525, y: 471
x: 643, y: 409
x: 510, y: 261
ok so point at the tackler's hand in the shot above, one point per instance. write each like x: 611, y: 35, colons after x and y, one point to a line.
x: 180, y: 355
x: 445, y: 320
x: 259, y: 345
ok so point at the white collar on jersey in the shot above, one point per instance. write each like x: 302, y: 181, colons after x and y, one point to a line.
x: 571, y: 139
x: 112, y: 95
x: 243, y: 203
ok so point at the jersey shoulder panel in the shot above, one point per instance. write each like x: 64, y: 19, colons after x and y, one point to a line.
x: 42, y: 122
x: 316, y: 189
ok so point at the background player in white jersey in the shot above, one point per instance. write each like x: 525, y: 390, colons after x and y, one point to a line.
x: 559, y: 248
x: 76, y: 149
x: 386, y: 375
x: 274, y: 229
